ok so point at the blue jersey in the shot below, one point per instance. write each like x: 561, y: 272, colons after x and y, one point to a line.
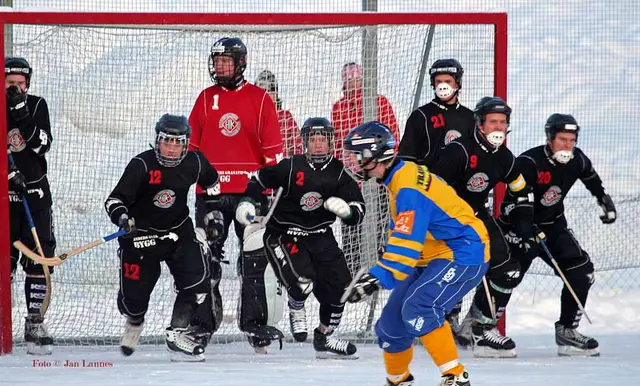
x: 428, y: 221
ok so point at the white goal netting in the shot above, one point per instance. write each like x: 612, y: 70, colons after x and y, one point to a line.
x: 106, y: 87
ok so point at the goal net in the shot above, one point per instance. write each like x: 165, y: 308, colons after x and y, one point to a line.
x: 108, y: 82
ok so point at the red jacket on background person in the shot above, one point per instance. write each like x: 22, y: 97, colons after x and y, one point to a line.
x: 238, y: 131
x: 291, y: 141
x: 347, y: 112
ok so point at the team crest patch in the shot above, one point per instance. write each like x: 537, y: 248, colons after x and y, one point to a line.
x: 311, y: 201
x: 229, y: 124
x: 164, y: 199
x: 552, y: 196
x: 478, y: 182
x: 404, y: 222
x: 15, y: 140
x: 451, y: 135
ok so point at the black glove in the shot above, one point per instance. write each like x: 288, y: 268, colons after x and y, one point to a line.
x: 17, y: 180
x: 531, y: 246
x: 128, y: 224
x: 214, y: 225
x: 364, y: 287
x: 17, y: 103
x: 610, y: 214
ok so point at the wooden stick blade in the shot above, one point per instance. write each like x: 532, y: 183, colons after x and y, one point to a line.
x: 47, y: 261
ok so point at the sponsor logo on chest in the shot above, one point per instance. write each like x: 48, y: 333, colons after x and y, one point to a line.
x: 311, y: 201
x: 451, y: 135
x: 478, y: 182
x: 229, y: 124
x: 15, y: 140
x: 164, y: 199
x: 552, y: 196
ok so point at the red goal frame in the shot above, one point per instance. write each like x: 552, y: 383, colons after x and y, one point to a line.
x: 498, y: 20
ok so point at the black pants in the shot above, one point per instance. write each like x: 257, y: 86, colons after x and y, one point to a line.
x: 35, y: 285
x: 140, y: 259
x: 317, y: 258
x: 574, y: 263
x: 503, y: 274
x: 19, y: 230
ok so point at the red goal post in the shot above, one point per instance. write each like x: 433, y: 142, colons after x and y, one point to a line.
x: 90, y: 125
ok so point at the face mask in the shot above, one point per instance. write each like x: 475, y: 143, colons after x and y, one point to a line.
x: 444, y: 91
x: 563, y: 156
x: 496, y: 138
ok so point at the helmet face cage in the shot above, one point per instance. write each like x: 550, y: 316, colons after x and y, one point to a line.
x: 267, y: 81
x: 315, y: 131
x: 164, y: 138
x: 367, y: 143
x: 234, y: 48
x: 446, y: 66
x: 18, y: 66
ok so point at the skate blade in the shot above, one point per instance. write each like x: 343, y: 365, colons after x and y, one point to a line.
x: 488, y: 352
x: 570, y: 351
x: 35, y: 349
x: 175, y: 356
x: 330, y: 355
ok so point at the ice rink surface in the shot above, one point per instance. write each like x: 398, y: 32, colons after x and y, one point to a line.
x: 235, y: 365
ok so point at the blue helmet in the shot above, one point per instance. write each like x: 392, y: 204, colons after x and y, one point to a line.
x: 369, y: 142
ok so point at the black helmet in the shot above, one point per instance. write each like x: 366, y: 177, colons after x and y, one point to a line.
x: 235, y: 48
x: 171, y: 129
x: 19, y: 66
x: 488, y: 105
x: 446, y: 66
x: 560, y: 123
x: 314, y: 126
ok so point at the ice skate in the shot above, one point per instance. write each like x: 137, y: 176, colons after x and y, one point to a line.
x: 38, y: 340
x: 572, y: 343
x: 328, y: 347
x: 130, y: 338
x: 183, y: 347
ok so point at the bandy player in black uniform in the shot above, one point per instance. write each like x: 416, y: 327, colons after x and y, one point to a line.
x: 435, y: 124
x: 473, y: 166
x: 150, y: 202
x: 29, y: 139
x: 551, y: 170
x: 298, y: 239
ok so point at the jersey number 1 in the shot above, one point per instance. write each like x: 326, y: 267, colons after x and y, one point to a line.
x: 215, y: 102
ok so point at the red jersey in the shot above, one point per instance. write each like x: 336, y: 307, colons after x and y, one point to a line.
x: 347, y: 114
x: 237, y: 130
x: 291, y: 141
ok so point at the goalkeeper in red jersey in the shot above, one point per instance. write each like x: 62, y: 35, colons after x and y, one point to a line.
x: 235, y: 126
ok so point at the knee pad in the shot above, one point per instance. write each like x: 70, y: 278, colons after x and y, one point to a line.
x: 506, y: 277
x: 581, y: 276
x: 262, y: 294
x: 132, y: 308
x: 392, y: 341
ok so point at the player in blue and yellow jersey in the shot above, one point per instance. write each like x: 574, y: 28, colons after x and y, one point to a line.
x: 436, y: 253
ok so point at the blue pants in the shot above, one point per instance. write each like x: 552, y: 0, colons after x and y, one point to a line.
x: 418, y: 305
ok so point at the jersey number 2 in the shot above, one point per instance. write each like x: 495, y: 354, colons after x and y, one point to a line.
x: 299, y: 178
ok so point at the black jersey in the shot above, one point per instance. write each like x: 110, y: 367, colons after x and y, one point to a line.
x: 473, y: 167
x: 29, y: 140
x: 155, y: 195
x: 432, y: 126
x: 551, y: 181
x: 306, y: 187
